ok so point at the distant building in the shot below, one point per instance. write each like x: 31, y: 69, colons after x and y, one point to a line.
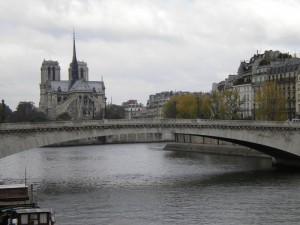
x: 270, y: 66
x: 79, y: 97
x: 133, y: 109
x: 155, y: 104
x: 286, y: 75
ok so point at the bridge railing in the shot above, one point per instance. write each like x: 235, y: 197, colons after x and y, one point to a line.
x: 249, y: 123
x: 55, y: 124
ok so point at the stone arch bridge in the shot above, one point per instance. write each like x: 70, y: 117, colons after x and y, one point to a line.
x: 281, y: 140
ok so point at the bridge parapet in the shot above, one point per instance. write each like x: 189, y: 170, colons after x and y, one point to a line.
x: 222, y: 124
x: 279, y: 139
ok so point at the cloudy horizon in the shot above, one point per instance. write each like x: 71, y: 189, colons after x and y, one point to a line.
x: 139, y: 47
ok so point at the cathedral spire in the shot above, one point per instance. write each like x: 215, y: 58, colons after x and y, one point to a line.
x: 74, y: 49
x: 74, y: 64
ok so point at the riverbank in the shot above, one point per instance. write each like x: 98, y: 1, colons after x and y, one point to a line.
x: 233, y: 150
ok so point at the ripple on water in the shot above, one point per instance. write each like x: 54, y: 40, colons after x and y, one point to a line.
x: 142, y: 184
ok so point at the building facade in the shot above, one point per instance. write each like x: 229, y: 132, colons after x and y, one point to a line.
x: 270, y: 66
x: 77, y: 96
x: 133, y: 109
x: 286, y: 75
x: 155, y: 104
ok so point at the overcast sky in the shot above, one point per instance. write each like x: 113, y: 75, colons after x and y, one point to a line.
x: 139, y: 47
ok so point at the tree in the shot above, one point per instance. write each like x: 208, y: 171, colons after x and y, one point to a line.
x: 204, y: 107
x: 284, y: 56
x: 231, y: 104
x: 225, y: 104
x: 64, y: 116
x: 270, y: 102
x: 183, y: 106
x: 186, y: 106
x: 115, y: 112
x: 5, y: 113
x: 264, y: 62
x: 216, y: 105
x: 169, y: 110
x: 27, y: 112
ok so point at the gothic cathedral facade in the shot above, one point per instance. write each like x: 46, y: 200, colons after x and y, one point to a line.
x: 79, y: 97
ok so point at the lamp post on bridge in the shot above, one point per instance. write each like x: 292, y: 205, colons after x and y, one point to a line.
x: 290, y: 110
x: 198, y: 106
x: 253, y: 111
x: 3, y: 111
x: 93, y: 110
x: 105, y: 107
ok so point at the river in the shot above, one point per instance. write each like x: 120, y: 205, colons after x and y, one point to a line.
x: 141, y: 184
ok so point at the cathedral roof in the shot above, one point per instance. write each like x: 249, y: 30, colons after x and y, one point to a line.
x: 78, y: 86
x: 82, y: 85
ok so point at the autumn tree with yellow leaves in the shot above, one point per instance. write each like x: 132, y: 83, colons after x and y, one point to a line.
x: 188, y: 106
x: 270, y: 102
x: 183, y: 106
x: 225, y: 104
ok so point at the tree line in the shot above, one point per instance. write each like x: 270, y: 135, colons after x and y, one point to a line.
x: 27, y: 112
x: 269, y: 104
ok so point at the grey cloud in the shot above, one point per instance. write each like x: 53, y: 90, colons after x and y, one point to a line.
x: 140, y: 47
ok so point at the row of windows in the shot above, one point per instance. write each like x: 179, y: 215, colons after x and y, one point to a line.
x: 81, y: 75
x: 246, y: 106
x: 261, y: 79
x: 285, y: 68
x: 282, y: 76
x: 245, y: 97
x: 41, y: 218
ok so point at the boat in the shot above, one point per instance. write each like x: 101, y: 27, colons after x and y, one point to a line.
x: 18, y: 208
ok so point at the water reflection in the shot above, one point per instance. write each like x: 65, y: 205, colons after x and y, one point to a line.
x: 142, y: 184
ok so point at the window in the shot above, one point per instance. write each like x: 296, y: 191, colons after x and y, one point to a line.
x: 33, y: 216
x: 49, y: 71
x: 24, y: 219
x: 43, y: 218
x: 81, y: 73
x: 33, y: 219
x: 53, y: 73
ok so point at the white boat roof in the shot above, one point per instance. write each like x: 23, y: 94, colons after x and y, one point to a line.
x: 12, y: 186
x: 34, y: 210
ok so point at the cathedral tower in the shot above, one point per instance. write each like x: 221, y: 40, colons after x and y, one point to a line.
x: 50, y: 71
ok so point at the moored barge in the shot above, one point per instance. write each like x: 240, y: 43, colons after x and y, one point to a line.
x: 18, y: 208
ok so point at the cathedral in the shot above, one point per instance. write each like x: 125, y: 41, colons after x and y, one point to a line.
x: 79, y: 97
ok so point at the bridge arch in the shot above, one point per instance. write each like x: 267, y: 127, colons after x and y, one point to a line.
x: 278, y: 139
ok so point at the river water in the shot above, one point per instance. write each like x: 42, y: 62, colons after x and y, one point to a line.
x: 140, y: 184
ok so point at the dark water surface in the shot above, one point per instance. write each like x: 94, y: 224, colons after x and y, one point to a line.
x: 142, y: 184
